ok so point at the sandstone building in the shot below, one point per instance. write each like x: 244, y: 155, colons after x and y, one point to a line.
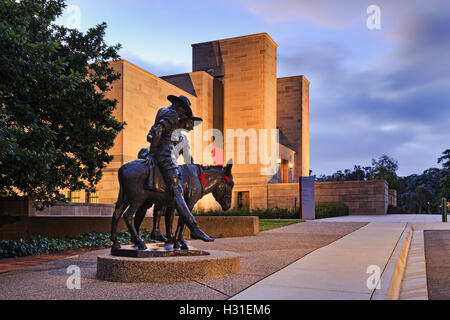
x: 233, y: 85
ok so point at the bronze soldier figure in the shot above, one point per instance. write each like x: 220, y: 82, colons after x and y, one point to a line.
x: 162, y: 149
x: 181, y: 143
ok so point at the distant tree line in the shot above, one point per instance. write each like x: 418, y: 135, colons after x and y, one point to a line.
x: 416, y: 193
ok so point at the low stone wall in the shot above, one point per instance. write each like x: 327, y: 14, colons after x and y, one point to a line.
x: 282, y: 195
x: 392, y: 197
x: 15, y: 227
x: 17, y: 206
x: 362, y: 197
x: 78, y: 209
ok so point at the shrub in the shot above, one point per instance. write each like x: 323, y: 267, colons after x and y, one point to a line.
x: 38, y: 245
x: 331, y: 209
x: 272, y: 213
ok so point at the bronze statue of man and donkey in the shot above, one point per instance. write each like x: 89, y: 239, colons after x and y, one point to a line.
x: 155, y: 179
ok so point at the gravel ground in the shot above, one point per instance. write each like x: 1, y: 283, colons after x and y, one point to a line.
x: 437, y: 257
x: 261, y: 255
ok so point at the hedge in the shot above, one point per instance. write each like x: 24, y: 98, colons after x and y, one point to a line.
x: 38, y: 245
x: 331, y: 209
x: 272, y: 213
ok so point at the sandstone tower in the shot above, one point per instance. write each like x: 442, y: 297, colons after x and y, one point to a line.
x: 247, y: 68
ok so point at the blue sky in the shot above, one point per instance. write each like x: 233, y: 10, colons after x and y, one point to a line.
x: 372, y: 92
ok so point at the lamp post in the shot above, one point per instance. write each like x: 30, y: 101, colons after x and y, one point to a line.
x: 444, y: 209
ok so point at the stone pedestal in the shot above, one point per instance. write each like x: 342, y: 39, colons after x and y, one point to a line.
x: 167, y: 269
x: 307, y: 198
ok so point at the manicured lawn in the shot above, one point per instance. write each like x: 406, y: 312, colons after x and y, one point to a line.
x: 267, y: 224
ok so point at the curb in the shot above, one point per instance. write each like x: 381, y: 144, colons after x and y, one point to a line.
x: 396, y: 283
x: 395, y: 269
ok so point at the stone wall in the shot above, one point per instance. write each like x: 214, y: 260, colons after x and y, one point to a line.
x: 19, y: 219
x: 283, y: 195
x: 17, y: 206
x: 362, y: 197
x: 393, y: 197
x: 293, y: 119
x: 13, y: 228
x: 257, y: 194
x: 78, y: 209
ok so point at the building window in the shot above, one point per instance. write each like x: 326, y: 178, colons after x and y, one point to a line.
x: 92, y: 197
x: 74, y: 196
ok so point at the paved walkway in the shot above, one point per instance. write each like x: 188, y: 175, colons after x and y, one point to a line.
x: 10, y: 264
x: 337, y: 271
x: 334, y: 258
x: 261, y: 255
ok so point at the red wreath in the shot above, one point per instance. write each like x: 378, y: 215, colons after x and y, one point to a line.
x: 226, y: 179
x: 202, y: 180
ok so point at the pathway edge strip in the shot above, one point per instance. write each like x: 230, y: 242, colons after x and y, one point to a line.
x: 396, y: 282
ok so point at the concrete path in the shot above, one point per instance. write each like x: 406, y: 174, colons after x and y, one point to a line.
x: 345, y: 269
x: 261, y: 255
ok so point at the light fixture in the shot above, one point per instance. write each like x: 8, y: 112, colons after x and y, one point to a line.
x: 291, y: 165
x: 279, y: 160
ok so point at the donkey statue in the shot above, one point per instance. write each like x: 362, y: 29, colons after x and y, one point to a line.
x: 217, y: 180
x: 135, y: 200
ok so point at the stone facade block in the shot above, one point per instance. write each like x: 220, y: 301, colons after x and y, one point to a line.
x: 362, y: 197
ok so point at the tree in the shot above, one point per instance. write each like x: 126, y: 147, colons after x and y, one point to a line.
x: 385, y: 168
x: 55, y: 123
x: 445, y: 187
x: 445, y: 159
x: 423, y: 198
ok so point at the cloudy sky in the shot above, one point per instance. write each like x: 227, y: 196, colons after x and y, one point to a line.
x: 373, y: 92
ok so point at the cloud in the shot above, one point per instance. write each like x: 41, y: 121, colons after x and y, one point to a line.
x: 332, y: 13
x: 158, y: 68
x: 399, y: 104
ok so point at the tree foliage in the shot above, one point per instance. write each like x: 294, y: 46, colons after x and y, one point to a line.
x: 416, y: 193
x: 385, y: 168
x: 445, y: 159
x: 55, y: 123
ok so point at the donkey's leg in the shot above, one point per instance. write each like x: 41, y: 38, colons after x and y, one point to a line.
x: 156, y: 232
x: 138, y: 218
x: 180, y: 229
x: 128, y: 217
x: 120, y: 208
x: 169, y: 215
x: 180, y: 243
x: 121, y: 205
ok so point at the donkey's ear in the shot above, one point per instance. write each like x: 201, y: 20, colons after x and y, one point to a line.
x: 229, y: 166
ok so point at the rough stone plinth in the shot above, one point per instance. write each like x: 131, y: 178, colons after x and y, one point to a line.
x: 167, y: 269
x: 160, y: 249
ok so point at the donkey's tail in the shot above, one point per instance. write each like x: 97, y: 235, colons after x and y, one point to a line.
x: 120, y: 197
